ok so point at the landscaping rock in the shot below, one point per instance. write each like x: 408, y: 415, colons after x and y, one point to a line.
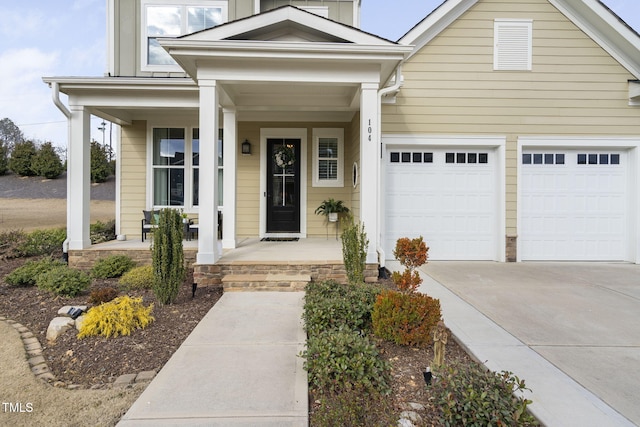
x: 79, y: 321
x: 58, y: 326
x: 145, y: 376
x: 414, y: 417
x: 124, y: 380
x: 64, y: 311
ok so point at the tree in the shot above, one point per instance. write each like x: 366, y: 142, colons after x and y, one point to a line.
x: 100, y: 167
x: 168, y: 256
x: 21, y: 160
x: 10, y: 133
x: 46, y: 162
x: 4, y: 157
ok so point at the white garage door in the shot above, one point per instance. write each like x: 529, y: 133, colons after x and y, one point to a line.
x: 573, y: 205
x: 448, y: 196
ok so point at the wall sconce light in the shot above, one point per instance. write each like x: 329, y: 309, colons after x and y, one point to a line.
x: 246, y: 148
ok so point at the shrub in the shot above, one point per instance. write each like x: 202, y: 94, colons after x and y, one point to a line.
x: 354, y: 407
x: 354, y: 251
x: 46, y: 162
x: 336, y: 359
x: 43, y: 242
x: 102, y: 295
x: 100, y: 232
x: 405, y: 319
x: 27, y: 274
x: 22, y: 158
x: 330, y: 305
x: 472, y: 396
x: 118, y: 317
x: 168, y: 256
x: 137, y: 278
x: 10, y: 243
x: 63, y: 280
x: 112, y: 266
x: 411, y: 254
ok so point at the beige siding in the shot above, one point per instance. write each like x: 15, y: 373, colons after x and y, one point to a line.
x: 133, y: 188
x: 248, y: 195
x: 353, y: 155
x: 574, y: 88
x: 340, y: 11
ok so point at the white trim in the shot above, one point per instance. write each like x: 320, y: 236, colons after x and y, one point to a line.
x: 497, y: 143
x: 631, y: 144
x: 337, y: 133
x: 111, y: 39
x: 300, y: 133
x: 317, y: 10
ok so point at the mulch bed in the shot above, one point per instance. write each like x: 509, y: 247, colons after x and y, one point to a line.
x: 96, y: 361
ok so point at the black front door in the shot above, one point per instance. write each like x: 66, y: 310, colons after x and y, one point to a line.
x: 283, y: 185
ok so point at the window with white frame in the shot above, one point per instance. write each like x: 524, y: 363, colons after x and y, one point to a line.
x: 176, y: 167
x: 174, y: 18
x: 513, y: 44
x: 328, y: 157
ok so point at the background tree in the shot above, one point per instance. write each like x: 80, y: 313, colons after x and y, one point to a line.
x: 4, y: 157
x: 22, y: 156
x: 100, y: 167
x: 46, y: 162
x: 10, y: 133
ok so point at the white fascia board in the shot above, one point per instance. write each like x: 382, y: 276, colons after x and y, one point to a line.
x: 605, y: 28
x: 283, y: 15
x: 123, y: 83
x: 435, y: 23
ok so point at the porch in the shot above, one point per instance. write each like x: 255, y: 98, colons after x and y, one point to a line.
x: 253, y: 265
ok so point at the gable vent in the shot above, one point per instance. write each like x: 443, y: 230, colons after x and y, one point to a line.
x: 512, y: 49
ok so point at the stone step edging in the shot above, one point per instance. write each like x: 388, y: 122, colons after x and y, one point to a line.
x: 40, y: 369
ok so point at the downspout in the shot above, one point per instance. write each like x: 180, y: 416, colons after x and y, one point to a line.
x: 382, y: 92
x: 55, y: 95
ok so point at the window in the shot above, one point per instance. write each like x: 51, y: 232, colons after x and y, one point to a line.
x: 176, y: 167
x: 173, y: 19
x: 410, y: 157
x: 599, y: 159
x: 461, y: 158
x: 328, y: 157
x: 512, y: 44
x: 540, y: 159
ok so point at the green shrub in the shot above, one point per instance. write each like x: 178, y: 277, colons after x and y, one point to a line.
x: 118, y: 317
x: 112, y: 266
x: 354, y: 407
x: 22, y: 158
x: 168, y: 256
x: 43, y: 242
x: 46, y: 162
x: 354, y: 251
x: 102, y: 295
x: 472, y: 396
x: 27, y: 274
x: 10, y: 243
x: 100, y: 232
x: 336, y: 359
x: 405, y: 319
x: 330, y: 305
x: 64, y: 281
x: 137, y: 278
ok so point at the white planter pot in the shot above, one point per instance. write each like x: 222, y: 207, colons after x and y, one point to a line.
x: 333, y: 216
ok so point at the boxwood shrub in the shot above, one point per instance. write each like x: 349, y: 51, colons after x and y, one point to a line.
x: 63, y: 280
x: 112, y: 266
x: 27, y: 274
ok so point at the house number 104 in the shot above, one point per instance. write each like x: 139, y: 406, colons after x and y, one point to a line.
x: 369, y: 130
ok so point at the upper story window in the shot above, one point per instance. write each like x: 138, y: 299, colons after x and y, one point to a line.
x: 512, y: 44
x: 174, y: 18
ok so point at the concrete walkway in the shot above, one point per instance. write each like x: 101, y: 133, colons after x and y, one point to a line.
x: 570, y: 330
x: 239, y: 367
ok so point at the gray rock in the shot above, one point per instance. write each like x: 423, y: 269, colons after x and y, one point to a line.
x: 79, y: 321
x: 58, y: 326
x: 64, y: 311
x: 414, y: 417
x: 403, y: 422
x: 416, y: 406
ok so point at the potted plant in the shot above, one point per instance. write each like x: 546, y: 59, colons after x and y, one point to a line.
x: 331, y: 208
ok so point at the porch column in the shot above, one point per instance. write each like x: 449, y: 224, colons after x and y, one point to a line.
x: 208, y: 252
x: 230, y: 149
x: 369, y: 148
x: 79, y: 179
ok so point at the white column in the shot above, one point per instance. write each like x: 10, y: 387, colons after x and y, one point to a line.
x: 230, y: 149
x: 79, y: 179
x: 369, y: 149
x: 208, y: 252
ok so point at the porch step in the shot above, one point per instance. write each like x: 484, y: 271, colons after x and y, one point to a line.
x: 265, y: 282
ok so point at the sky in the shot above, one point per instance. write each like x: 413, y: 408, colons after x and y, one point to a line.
x: 67, y: 38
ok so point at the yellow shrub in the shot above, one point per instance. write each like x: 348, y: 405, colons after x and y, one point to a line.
x: 118, y: 317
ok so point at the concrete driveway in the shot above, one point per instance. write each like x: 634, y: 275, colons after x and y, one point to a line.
x: 583, y: 318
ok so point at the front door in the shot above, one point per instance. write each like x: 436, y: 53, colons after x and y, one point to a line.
x: 283, y: 185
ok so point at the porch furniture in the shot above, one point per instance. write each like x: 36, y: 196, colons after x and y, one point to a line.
x: 149, y: 222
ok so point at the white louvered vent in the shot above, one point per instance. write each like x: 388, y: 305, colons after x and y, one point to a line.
x: 512, y: 49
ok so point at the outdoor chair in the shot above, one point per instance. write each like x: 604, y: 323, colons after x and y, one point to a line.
x: 149, y: 222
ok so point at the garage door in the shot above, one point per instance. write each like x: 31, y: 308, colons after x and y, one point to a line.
x: 573, y: 205
x: 447, y: 196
